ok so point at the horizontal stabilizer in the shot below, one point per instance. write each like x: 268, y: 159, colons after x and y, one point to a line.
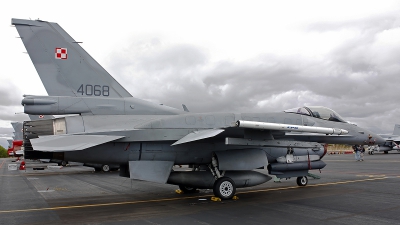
x: 63, y: 143
x: 198, y: 135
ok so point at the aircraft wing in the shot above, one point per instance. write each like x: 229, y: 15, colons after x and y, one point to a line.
x: 203, y: 134
x: 63, y: 143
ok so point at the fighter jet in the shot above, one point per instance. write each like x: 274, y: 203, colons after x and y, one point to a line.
x: 392, y: 142
x: 148, y: 139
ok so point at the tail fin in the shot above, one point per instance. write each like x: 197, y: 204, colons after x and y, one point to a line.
x: 17, y: 130
x: 396, y: 129
x: 64, y: 67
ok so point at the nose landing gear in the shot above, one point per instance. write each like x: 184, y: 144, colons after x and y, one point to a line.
x: 302, y: 181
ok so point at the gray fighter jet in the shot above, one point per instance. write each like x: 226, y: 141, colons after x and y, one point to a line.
x: 392, y: 142
x: 147, y: 139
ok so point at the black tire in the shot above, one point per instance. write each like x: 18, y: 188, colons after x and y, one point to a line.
x: 386, y: 152
x: 187, y: 190
x: 105, y: 168
x: 224, y: 188
x: 302, y: 181
x: 64, y: 163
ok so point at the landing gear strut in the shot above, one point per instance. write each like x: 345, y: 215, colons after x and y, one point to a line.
x: 302, y: 181
x: 224, y: 187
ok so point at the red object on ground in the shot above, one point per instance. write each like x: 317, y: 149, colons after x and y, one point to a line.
x: 22, y: 165
x: 17, y: 144
x: 9, y: 151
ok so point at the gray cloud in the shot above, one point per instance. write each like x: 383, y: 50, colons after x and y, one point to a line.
x: 366, y: 25
x: 9, y: 114
x: 5, y: 133
x: 358, y: 78
x: 10, y: 95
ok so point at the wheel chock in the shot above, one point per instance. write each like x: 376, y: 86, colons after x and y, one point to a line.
x: 313, y: 176
x: 235, y: 198
x: 215, y: 199
x: 179, y: 191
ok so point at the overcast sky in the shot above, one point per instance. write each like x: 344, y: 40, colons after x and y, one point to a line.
x: 244, y: 56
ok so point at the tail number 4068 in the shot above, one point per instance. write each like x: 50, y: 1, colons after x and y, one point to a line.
x: 96, y: 90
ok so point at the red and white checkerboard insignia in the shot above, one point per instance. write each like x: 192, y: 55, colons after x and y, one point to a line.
x: 61, y: 53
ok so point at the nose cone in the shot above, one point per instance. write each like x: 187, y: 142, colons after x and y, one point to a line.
x: 375, y: 139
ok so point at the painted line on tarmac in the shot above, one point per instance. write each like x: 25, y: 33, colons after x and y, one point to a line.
x: 2, y: 163
x: 314, y: 185
x: 182, y: 198
x: 369, y: 161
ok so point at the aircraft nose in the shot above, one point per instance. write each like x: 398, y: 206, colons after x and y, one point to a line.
x: 375, y: 139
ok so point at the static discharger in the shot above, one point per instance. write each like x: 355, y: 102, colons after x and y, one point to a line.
x: 288, y: 127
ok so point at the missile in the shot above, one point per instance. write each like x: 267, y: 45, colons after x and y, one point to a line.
x: 288, y: 127
x: 279, y: 168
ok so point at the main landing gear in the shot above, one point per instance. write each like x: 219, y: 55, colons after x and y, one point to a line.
x: 224, y: 187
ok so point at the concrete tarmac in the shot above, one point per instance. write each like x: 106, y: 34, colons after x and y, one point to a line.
x: 348, y: 192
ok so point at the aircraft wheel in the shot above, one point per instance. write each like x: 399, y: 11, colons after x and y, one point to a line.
x: 105, y: 168
x: 224, y: 188
x: 302, y: 181
x: 187, y: 190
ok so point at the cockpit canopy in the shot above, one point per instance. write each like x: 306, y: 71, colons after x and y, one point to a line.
x: 318, y: 112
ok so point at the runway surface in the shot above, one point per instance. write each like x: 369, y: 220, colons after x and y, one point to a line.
x: 348, y: 192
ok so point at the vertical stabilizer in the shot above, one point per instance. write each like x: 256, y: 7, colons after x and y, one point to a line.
x: 396, y: 129
x: 64, y: 67
x: 17, y: 130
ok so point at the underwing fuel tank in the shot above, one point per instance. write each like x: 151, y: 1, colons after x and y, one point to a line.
x: 276, y: 168
x: 386, y: 148
x: 205, y: 180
